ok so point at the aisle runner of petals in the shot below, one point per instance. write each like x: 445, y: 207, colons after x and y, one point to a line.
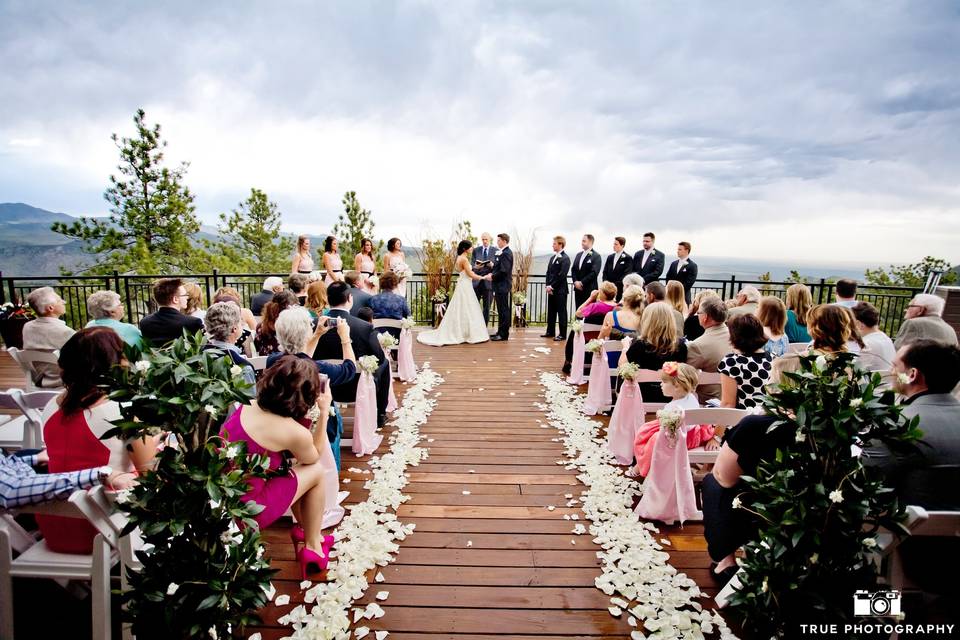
x: 636, y: 572
x: 366, y: 536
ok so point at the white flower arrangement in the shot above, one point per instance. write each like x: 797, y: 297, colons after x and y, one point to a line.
x: 628, y: 370
x: 402, y: 270
x: 670, y: 420
x: 141, y: 366
x: 635, y: 569
x: 439, y: 296
x: 594, y: 346
x: 519, y: 298
x: 368, y: 364
x: 576, y: 326
x: 408, y: 323
x: 366, y: 537
x: 386, y: 340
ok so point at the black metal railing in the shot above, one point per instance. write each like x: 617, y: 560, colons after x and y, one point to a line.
x: 135, y: 292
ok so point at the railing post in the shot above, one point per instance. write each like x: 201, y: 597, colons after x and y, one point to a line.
x: 215, y: 272
x: 13, y: 291
x: 3, y: 297
x: 823, y: 285
x: 116, y: 280
x: 733, y: 288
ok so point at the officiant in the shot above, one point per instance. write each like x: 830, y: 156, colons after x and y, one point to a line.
x: 482, y: 265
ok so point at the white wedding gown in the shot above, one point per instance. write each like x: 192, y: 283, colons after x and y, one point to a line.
x: 463, y: 320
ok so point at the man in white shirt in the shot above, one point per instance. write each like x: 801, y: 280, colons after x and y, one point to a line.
x: 584, y: 271
x: 683, y: 270
x: 46, y: 333
x: 556, y: 286
x: 649, y: 262
x: 878, y: 351
x: 846, y: 293
x: 618, y: 265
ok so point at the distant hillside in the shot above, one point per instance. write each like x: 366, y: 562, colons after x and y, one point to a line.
x: 18, y: 213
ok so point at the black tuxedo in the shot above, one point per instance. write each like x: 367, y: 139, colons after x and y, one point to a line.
x: 687, y: 276
x: 616, y: 272
x: 654, y: 267
x: 585, y: 270
x: 166, y: 324
x: 502, y: 286
x: 557, y: 270
x: 364, y: 340
x: 483, y: 288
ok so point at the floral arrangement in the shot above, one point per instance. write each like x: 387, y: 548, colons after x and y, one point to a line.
x: 576, y: 326
x: 670, y: 421
x: 594, y: 346
x: 439, y: 296
x: 402, y: 270
x: 204, y: 571
x: 368, y: 364
x: 386, y: 340
x: 374, y: 281
x: 11, y: 311
x: 819, y: 508
x: 408, y: 323
x: 628, y: 370
x: 519, y: 298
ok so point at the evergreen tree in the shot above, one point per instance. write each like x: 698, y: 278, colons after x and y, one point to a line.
x: 250, y: 238
x: 352, y: 226
x: 911, y: 275
x: 151, y: 215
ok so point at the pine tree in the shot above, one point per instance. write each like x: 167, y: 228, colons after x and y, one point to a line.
x: 152, y: 214
x: 250, y: 238
x: 911, y: 275
x: 352, y: 226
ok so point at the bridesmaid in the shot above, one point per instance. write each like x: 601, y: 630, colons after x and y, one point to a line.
x: 332, y: 264
x: 394, y: 261
x: 365, y: 263
x: 302, y: 262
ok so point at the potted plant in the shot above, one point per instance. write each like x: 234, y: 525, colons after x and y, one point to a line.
x: 204, y: 573
x: 13, y: 315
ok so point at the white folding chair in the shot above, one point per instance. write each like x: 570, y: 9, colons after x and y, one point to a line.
x: 25, y: 432
x: 27, y: 358
x: 387, y: 323
x: 259, y: 362
x: 716, y: 416
x: 40, y: 562
x: 798, y: 347
x: 588, y: 357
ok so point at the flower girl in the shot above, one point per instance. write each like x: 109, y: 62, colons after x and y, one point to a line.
x: 678, y: 381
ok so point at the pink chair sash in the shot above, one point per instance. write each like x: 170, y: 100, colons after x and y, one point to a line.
x: 392, y: 404
x: 333, y: 512
x: 627, y: 417
x: 599, y: 393
x: 668, y: 493
x: 406, y: 367
x: 576, y: 367
x: 365, y: 436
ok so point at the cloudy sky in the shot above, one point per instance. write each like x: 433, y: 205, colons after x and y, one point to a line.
x: 789, y: 130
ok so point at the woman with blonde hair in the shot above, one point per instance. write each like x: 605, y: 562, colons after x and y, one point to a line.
x: 692, y: 329
x: 659, y: 342
x: 676, y: 297
x: 194, y: 300
x: 625, y: 320
x: 799, y: 303
x: 317, y: 299
x: 772, y: 314
x: 302, y: 260
x: 594, y: 310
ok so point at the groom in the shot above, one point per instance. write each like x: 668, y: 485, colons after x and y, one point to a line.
x: 502, y: 277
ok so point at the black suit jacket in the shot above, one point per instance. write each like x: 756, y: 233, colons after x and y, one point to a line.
x: 166, y: 325
x: 654, y: 267
x: 258, y: 301
x: 687, y: 276
x: 586, y: 269
x: 503, y: 271
x: 361, y: 299
x: 615, y: 272
x: 557, y: 273
x: 362, y: 337
x: 478, y: 256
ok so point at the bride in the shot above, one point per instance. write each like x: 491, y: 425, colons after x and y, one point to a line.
x: 463, y: 321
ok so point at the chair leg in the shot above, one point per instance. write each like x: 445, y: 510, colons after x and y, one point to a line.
x: 6, y: 588
x: 100, y: 587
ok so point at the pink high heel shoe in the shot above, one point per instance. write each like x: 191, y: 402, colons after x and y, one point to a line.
x: 298, y: 536
x: 310, y: 559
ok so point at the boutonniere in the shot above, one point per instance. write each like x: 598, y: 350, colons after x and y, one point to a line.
x: 497, y: 254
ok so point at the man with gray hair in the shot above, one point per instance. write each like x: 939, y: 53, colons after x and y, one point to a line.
x: 46, y: 333
x: 105, y: 310
x: 745, y: 303
x: 482, y: 265
x: 706, y: 352
x: 271, y: 285
x: 223, y: 328
x: 923, y: 321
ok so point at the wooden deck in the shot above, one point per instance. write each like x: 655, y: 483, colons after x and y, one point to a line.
x: 520, y: 577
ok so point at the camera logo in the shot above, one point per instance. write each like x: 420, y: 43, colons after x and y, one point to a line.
x: 879, y: 603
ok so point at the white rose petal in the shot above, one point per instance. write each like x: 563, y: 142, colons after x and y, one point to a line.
x: 282, y: 600
x: 379, y: 577
x: 380, y: 635
x: 361, y: 632
x: 736, y: 504
x: 383, y: 595
x: 466, y: 493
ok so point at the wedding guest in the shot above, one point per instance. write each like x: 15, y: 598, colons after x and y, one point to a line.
x: 302, y: 260
x: 361, y: 297
x: 46, y: 332
x: 772, y: 314
x: 593, y: 311
x: 297, y: 284
x: 365, y: 264
x: 168, y: 322
x: 316, y: 303
x: 21, y: 484
x: 846, y: 292
x: 744, y: 303
x: 366, y: 314
x: 683, y: 270
x: 332, y: 264
x: 659, y: 342
x: 799, y: 303
x: 675, y: 297
x: 585, y: 270
x: 657, y: 292
x: 556, y: 288
x: 482, y: 261
x: 265, y: 341
x: 617, y: 265
x: 878, y: 351
x: 624, y: 321
x: 706, y: 352
x: 633, y: 280
x: 229, y: 294
x: 275, y: 422
x: 746, y: 371
x: 73, y: 426
x: 224, y: 327
x: 832, y: 328
x: 297, y: 336
x: 271, y: 285
x: 649, y: 262
x: 692, y: 329
x: 106, y: 309
x: 387, y: 304
x: 195, y: 303
x: 922, y: 320
x: 678, y: 381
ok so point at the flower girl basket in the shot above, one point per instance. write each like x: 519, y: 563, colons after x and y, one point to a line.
x: 668, y: 492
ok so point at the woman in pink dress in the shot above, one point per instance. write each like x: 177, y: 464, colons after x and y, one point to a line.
x: 365, y: 263
x: 276, y: 425
x: 678, y: 381
x: 332, y: 264
x: 395, y: 261
x: 302, y: 260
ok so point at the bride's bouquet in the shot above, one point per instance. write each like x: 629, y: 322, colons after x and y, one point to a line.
x: 402, y: 270
x: 595, y: 346
x: 387, y: 341
x: 368, y: 364
x: 628, y: 370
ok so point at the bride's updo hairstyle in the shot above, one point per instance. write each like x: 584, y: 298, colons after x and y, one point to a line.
x: 463, y: 247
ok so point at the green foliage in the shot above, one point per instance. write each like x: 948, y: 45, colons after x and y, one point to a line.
x: 796, y: 277
x: 151, y: 216
x: 911, y: 275
x: 205, y: 570
x: 353, y: 225
x: 814, y: 547
x: 250, y: 238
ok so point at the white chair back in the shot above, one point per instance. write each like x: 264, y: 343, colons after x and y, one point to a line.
x: 25, y: 432
x: 591, y: 328
x: 27, y: 358
x: 259, y: 362
x: 379, y: 323
x: 798, y: 347
x: 720, y: 416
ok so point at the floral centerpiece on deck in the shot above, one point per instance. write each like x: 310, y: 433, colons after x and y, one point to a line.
x: 519, y: 298
x: 594, y: 346
x: 439, y: 296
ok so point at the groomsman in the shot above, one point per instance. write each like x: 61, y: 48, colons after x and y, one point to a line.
x: 483, y: 288
x: 618, y: 264
x: 683, y: 270
x: 557, y: 290
x: 585, y: 270
x: 649, y: 262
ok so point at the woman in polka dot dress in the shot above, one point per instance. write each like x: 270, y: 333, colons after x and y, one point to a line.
x: 746, y: 371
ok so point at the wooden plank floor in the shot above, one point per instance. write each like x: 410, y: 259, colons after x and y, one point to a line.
x: 519, y: 576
